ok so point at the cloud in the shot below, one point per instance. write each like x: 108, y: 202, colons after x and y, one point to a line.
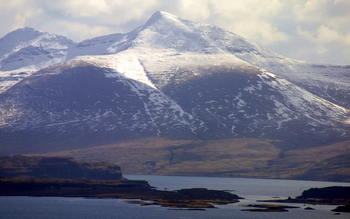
x: 329, y: 18
x: 326, y: 11
x: 328, y: 35
x: 96, y: 16
x: 83, y: 31
x: 14, y: 14
x: 109, y: 11
x: 323, y: 35
x: 248, y: 18
x: 310, y: 10
x: 324, y: 25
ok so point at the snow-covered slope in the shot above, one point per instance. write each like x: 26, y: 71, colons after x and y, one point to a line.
x: 26, y: 50
x: 94, y: 94
x: 32, y: 49
x: 205, y: 97
x: 95, y: 46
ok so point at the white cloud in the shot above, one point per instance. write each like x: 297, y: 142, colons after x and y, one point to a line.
x: 248, y: 18
x: 324, y: 26
x: 109, y: 11
x: 329, y: 18
x: 83, y: 31
x: 323, y: 35
x: 310, y: 10
x: 14, y: 14
x: 327, y: 35
x: 55, y: 16
x: 194, y: 10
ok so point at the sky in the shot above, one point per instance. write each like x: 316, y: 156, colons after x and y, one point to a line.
x: 310, y: 30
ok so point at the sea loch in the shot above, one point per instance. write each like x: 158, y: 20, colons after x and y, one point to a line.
x: 250, y: 189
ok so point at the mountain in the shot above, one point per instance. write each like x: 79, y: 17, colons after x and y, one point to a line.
x: 168, y: 79
x: 26, y: 50
x: 30, y: 48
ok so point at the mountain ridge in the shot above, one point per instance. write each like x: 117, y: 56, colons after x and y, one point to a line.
x: 149, y: 54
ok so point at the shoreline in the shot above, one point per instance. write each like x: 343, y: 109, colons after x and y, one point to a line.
x: 120, y: 189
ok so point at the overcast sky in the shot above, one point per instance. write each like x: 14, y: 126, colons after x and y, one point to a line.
x: 309, y: 30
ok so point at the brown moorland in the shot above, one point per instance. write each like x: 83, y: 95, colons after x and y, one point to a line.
x: 239, y: 157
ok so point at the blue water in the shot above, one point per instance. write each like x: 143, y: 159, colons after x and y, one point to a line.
x: 250, y: 189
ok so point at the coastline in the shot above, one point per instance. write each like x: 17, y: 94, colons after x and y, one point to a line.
x: 121, y: 189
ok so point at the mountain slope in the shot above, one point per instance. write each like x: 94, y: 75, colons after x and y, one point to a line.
x: 113, y: 94
x: 82, y: 96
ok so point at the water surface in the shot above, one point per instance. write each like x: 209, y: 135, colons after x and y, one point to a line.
x: 250, y: 189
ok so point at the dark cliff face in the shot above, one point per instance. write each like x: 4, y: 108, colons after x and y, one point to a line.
x: 57, y: 167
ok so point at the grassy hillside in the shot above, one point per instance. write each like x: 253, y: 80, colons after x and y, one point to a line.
x: 240, y: 157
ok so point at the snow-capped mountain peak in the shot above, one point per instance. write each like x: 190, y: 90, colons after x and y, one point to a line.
x: 167, y: 31
x: 17, y: 37
x: 26, y: 50
x: 32, y: 49
x: 159, y: 15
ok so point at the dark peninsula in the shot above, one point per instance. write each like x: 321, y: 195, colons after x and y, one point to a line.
x: 66, y: 177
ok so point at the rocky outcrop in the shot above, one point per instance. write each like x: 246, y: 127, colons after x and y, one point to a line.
x: 333, y: 195
x: 343, y: 208
x: 57, y: 167
x: 332, y: 192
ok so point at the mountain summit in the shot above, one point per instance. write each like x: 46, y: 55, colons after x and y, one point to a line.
x: 33, y: 49
x: 168, y: 79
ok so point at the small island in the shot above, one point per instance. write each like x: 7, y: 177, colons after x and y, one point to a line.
x: 66, y: 177
x: 333, y: 195
x: 267, y: 208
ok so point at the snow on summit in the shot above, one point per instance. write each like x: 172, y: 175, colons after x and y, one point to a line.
x: 33, y: 49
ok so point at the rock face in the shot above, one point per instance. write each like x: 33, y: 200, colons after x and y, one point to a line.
x: 57, y: 167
